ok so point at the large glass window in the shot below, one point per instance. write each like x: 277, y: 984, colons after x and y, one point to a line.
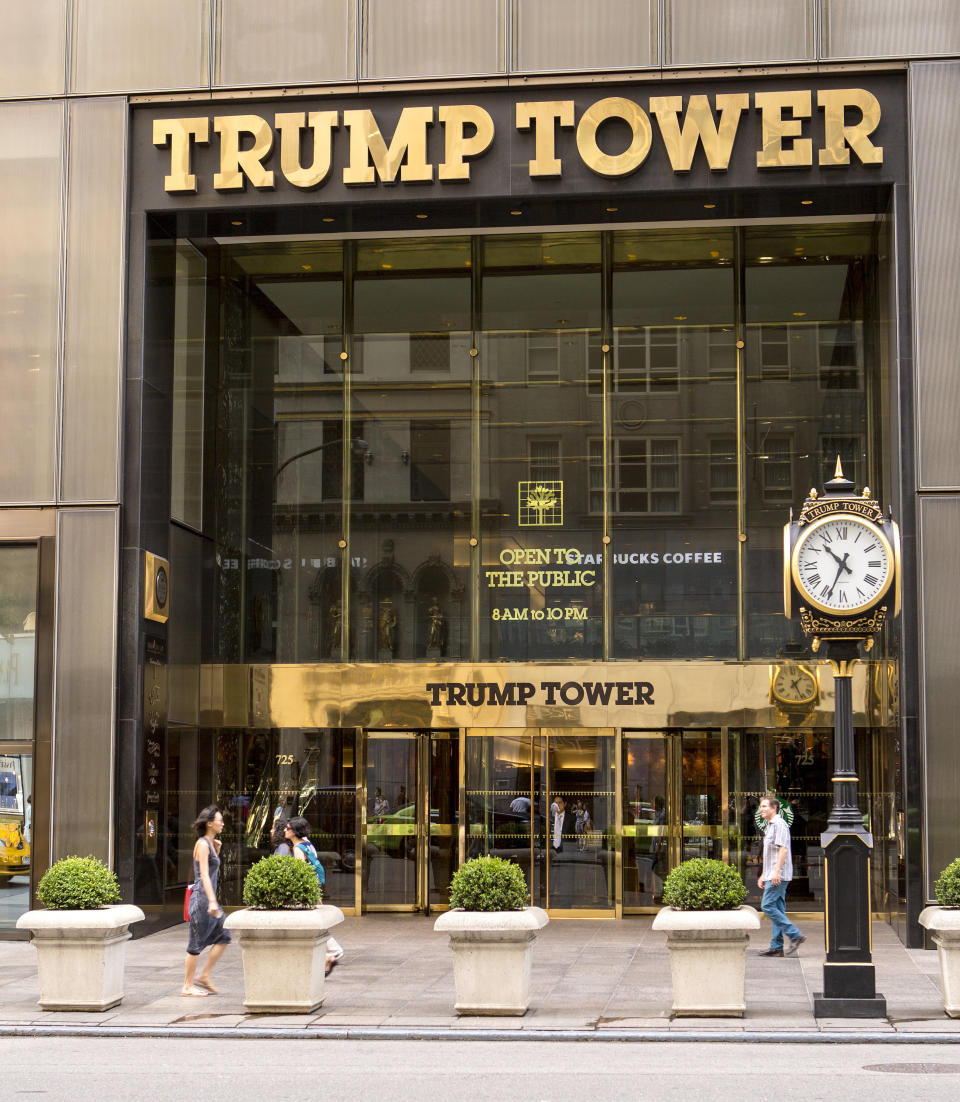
x: 410, y: 374
x: 673, y: 500
x: 811, y: 379
x: 393, y: 435
x: 541, y: 582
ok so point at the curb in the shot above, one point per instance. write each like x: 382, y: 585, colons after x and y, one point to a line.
x: 346, y: 1033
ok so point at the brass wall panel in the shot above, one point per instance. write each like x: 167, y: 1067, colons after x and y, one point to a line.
x: 33, y: 40
x: 31, y: 136
x: 679, y: 694
x: 90, y: 423
x: 889, y: 28
x: 84, y: 703
x: 408, y: 38
x: 286, y: 42
x: 150, y: 45
x: 554, y: 35
x: 701, y: 32
x: 935, y: 165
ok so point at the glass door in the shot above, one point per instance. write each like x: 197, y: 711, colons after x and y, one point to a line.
x: 581, y: 826
x: 545, y: 798
x: 651, y: 841
x: 410, y: 823
x: 675, y: 799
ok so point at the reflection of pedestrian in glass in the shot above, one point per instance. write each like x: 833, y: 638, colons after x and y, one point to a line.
x: 206, y: 914
x: 583, y: 823
x: 381, y: 805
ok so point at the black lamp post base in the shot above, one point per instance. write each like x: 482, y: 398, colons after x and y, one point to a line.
x: 849, y: 1007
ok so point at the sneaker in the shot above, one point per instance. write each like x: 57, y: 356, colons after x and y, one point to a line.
x: 795, y: 945
x: 770, y: 953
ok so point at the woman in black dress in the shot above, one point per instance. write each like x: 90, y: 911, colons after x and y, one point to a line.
x: 206, y: 914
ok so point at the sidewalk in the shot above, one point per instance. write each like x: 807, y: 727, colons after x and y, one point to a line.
x: 591, y: 979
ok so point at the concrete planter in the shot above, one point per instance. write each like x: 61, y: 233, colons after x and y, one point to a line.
x: 284, y: 956
x: 708, y: 959
x: 80, y: 955
x: 491, y: 958
x: 944, y: 924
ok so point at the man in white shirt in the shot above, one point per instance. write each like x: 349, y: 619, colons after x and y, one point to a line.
x: 776, y: 875
x: 564, y: 823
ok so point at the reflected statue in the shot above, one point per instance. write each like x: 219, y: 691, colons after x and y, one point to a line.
x: 438, y: 626
x: 388, y: 626
x: 335, y: 628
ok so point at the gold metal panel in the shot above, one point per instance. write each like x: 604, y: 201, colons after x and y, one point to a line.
x: 156, y: 588
x: 698, y: 694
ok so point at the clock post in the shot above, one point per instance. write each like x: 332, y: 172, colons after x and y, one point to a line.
x: 841, y: 580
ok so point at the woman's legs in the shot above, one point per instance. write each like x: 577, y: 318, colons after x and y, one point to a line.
x: 189, y: 971
x: 216, y: 952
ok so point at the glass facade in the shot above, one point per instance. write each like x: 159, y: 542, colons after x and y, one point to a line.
x: 516, y: 447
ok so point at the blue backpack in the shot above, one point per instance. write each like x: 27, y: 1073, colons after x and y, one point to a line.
x: 311, y: 855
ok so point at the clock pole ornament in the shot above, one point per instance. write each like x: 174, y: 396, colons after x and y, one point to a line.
x: 841, y: 580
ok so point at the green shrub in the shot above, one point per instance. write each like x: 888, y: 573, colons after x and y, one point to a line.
x: 947, y: 887
x: 702, y: 884
x: 489, y: 884
x: 78, y: 884
x: 281, y: 883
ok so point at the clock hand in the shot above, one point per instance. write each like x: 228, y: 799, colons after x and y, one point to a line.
x: 840, y: 569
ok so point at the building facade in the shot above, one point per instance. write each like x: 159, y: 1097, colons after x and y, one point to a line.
x: 404, y: 404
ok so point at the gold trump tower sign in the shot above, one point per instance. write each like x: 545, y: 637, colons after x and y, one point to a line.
x: 612, y: 137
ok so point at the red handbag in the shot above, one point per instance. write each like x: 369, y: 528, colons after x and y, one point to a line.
x: 186, y: 903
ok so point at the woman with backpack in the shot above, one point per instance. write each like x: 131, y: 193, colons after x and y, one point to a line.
x: 303, y: 850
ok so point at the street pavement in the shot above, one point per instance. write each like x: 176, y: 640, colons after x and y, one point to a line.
x: 592, y: 980
x: 127, y: 1069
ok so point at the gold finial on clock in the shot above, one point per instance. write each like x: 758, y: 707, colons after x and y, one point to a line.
x: 838, y: 473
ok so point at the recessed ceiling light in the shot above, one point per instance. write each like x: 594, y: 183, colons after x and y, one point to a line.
x: 386, y: 265
x: 327, y: 219
x: 307, y: 267
x: 765, y: 259
x: 612, y: 210
x: 423, y: 215
x: 238, y: 223
x: 679, y: 317
x: 709, y: 206
x: 516, y: 212
x: 806, y: 202
x: 799, y: 313
x: 714, y: 254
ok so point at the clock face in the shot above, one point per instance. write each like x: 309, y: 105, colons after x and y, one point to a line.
x: 794, y: 685
x: 842, y: 565
x: 161, y: 587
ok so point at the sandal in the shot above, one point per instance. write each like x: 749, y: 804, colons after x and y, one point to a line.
x: 207, y: 985
x: 331, y: 964
x: 194, y: 993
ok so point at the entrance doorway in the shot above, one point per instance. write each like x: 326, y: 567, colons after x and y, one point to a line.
x: 410, y: 837
x: 674, y: 802
x: 546, y: 799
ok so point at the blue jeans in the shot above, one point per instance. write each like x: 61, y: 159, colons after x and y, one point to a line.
x: 774, y: 907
